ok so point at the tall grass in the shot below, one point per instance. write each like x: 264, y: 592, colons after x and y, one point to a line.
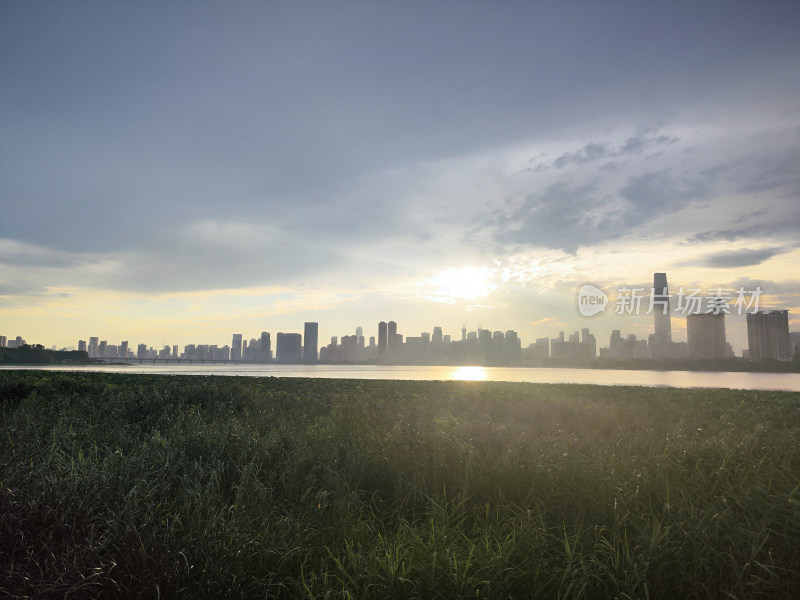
x: 148, y: 487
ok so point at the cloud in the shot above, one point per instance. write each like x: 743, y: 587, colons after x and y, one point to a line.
x: 560, y: 216
x: 569, y: 216
x: 606, y: 150
x: 739, y: 258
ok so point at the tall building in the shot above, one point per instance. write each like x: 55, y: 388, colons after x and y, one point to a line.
x: 310, y: 342
x: 236, y: 347
x: 289, y: 348
x: 266, y: 347
x: 768, y: 335
x: 94, y: 342
x: 4, y: 341
x: 123, y: 350
x: 794, y: 343
x: 81, y: 345
x: 383, y: 338
x: 662, y: 341
x: 705, y: 334
x: 589, y: 344
x: 391, y: 339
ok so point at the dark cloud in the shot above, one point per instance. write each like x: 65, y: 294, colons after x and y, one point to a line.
x: 591, y: 152
x: 597, y: 151
x: 645, y: 141
x: 739, y: 258
x: 657, y: 193
x: 568, y: 216
x: 557, y: 217
x: 780, y: 222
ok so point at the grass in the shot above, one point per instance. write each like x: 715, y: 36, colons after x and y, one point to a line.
x: 170, y: 486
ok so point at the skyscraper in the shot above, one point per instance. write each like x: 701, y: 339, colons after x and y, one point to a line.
x: 705, y: 334
x: 661, y: 309
x: 236, y: 347
x: 382, y: 340
x: 310, y: 342
x: 391, y: 339
x: 288, y: 347
x: 662, y: 340
x: 768, y: 335
x: 266, y: 347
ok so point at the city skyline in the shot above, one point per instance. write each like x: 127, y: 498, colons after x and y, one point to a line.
x: 767, y: 331
x: 346, y: 163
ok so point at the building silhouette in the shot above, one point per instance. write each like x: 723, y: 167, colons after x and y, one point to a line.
x: 662, y: 340
x: 705, y: 333
x: 392, y: 339
x: 768, y: 335
x: 236, y: 347
x: 383, y: 340
x: 289, y: 348
x: 310, y: 342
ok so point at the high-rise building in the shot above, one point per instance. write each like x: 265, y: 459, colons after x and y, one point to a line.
x: 794, y: 343
x: 589, y: 344
x: 81, y: 345
x: 310, y: 342
x: 4, y: 341
x: 289, y: 347
x: 437, y: 335
x: 383, y: 337
x: 662, y: 341
x: 123, y: 350
x: 236, y: 347
x: 94, y: 342
x: 391, y: 339
x: 266, y: 347
x: 141, y: 351
x: 705, y: 334
x: 768, y: 335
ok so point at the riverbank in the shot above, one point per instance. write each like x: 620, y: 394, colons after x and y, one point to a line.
x: 186, y: 486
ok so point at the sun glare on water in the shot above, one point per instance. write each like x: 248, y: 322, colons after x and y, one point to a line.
x: 468, y: 374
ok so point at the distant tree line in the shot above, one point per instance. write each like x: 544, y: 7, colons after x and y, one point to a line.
x: 39, y: 355
x: 767, y: 365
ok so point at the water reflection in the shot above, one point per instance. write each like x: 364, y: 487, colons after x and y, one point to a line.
x: 681, y: 379
x: 468, y: 374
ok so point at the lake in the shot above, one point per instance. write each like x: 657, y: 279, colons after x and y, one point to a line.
x: 682, y: 379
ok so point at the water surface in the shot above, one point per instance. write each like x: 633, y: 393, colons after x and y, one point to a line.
x: 682, y: 379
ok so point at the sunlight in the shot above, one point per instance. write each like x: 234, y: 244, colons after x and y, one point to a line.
x: 468, y: 374
x: 463, y: 283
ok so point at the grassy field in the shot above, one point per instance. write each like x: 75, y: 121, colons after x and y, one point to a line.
x: 172, y: 486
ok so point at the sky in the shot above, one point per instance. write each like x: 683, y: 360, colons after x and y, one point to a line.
x: 172, y: 173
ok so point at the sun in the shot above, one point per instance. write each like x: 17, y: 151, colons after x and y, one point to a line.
x: 467, y: 283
